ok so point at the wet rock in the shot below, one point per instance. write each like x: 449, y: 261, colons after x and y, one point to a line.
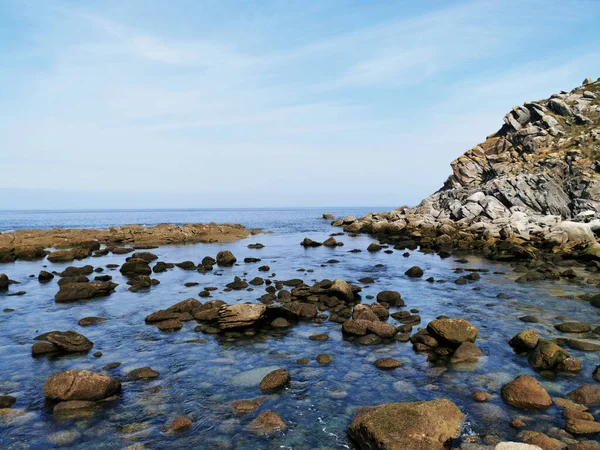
x: 301, y: 310
x: 380, y: 311
x: 280, y: 322
x: 180, y: 423
x: 135, y: 266
x: 275, y: 380
x: 258, y: 245
x: 546, y: 355
x: 80, y: 385
x: 578, y: 426
x: 44, y: 277
x: 466, y: 352
x: 525, y: 340
x: 225, y: 259
x: 308, y: 242
x: 61, y: 256
x: 452, y: 331
x: 583, y: 345
x: 186, y: 265
x: 529, y: 319
x: 75, y: 279
x: 387, y: 363
x: 240, y: 316
x: 4, y: 282
x: 83, y: 291
x: 246, y: 406
x: 573, y: 327
x: 481, y: 396
x: 237, y: 284
x: 332, y: 242
x: 369, y: 339
x: 364, y: 312
x: 7, y: 401
x: 541, y: 440
x: 515, y: 446
x: 267, y: 422
x: 586, y: 395
x: 414, y: 272
x: 414, y: 425
x: 373, y: 247
x: 169, y: 325
x: 143, y: 373
x: 73, y: 271
x: 596, y: 374
x: 111, y: 366
x: 526, y: 393
x: 43, y: 348
x: 69, y: 341
x: 324, y: 359
x: 161, y: 266
x: 392, y: 298
x: 145, y: 256
x: 341, y: 289
x: 319, y: 337
x: 141, y: 282
x: 74, y: 409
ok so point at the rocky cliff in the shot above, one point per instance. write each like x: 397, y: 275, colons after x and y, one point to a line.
x: 537, y: 180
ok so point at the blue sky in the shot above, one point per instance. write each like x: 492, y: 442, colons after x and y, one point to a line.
x: 273, y: 103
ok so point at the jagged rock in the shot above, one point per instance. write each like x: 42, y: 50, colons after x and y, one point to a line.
x: 547, y: 355
x: 267, y: 422
x: 525, y: 340
x: 341, y: 289
x: 413, y: 425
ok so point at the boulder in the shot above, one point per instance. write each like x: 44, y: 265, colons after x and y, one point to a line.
x: 453, y: 331
x: 525, y: 340
x: 69, y: 341
x: 414, y: 272
x: 341, y: 289
x: 275, y: 380
x: 225, y: 259
x: 413, y: 425
x: 240, y: 315
x: 547, y: 355
x: 586, y: 395
x: 83, y: 291
x: 466, y: 352
x: 135, y: 266
x: 80, y: 385
x: 267, y: 422
x: 143, y: 373
x: 392, y: 298
x: 526, y: 393
x: 4, y: 282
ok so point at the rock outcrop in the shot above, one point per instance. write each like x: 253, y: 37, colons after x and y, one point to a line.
x: 534, y: 182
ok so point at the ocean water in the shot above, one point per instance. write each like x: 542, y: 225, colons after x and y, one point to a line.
x: 201, y: 374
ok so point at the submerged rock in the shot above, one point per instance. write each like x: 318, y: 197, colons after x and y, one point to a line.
x: 73, y: 292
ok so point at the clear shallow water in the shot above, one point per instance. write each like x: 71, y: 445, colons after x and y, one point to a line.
x: 200, y: 380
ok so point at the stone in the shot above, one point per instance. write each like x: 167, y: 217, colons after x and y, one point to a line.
x: 577, y: 426
x: 69, y: 341
x: 143, y: 373
x: 414, y: 272
x: 525, y: 340
x: 466, y: 352
x: 324, y: 359
x: 7, y: 401
x: 180, y: 423
x: 225, y: 259
x: 546, y: 355
x: 135, y: 266
x: 453, y: 331
x: 87, y: 321
x: 341, y: 289
x: 387, y: 363
x: 246, y: 406
x: 481, y: 396
x: 44, y: 277
x: 392, y: 298
x: 413, y: 425
x: 515, y: 446
x: 525, y: 392
x: 280, y: 322
x: 275, y: 380
x: 73, y: 292
x: 267, y: 422
x: 80, y: 385
x: 240, y: 315
x: 169, y: 325
x: 587, y: 395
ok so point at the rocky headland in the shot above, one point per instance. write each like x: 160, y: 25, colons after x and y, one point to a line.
x: 533, y: 185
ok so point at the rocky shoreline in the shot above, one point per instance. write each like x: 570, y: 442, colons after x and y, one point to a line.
x: 79, y: 243
x: 489, y: 206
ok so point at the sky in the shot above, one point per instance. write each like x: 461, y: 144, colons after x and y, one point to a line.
x: 217, y: 103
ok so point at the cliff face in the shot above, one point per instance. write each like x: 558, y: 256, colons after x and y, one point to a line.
x: 536, y: 181
x: 544, y: 160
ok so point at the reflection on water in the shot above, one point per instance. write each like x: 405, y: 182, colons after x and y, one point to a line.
x: 200, y: 375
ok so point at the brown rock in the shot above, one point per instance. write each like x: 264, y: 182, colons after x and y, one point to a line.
x: 403, y: 426
x: 453, y: 331
x: 275, y: 380
x: 586, y: 395
x: 526, y: 393
x: 80, y: 385
x: 267, y: 422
